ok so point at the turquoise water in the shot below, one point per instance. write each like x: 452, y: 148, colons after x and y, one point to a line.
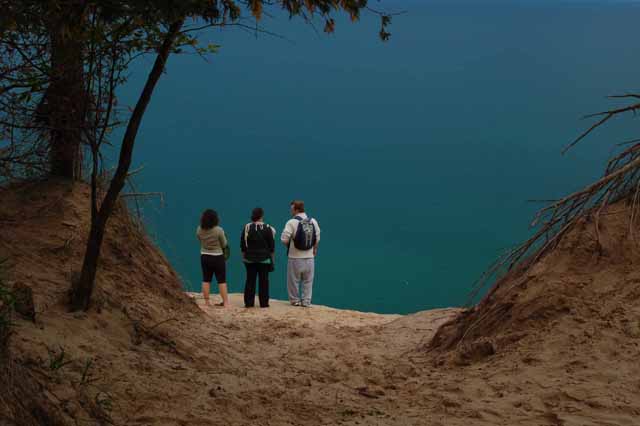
x: 417, y: 156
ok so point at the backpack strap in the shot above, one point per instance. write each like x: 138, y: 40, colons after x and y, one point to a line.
x: 245, y: 233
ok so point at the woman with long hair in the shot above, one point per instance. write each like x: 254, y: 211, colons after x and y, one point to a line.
x: 212, y: 244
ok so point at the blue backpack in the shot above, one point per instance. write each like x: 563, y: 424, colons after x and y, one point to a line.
x: 305, y: 237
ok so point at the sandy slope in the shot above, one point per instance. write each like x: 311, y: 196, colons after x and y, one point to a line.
x: 279, y: 366
x: 156, y: 358
x: 566, y: 337
x: 317, y: 365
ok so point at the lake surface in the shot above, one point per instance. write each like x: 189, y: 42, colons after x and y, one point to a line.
x: 417, y: 156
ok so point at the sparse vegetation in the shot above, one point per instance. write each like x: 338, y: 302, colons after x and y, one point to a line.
x: 57, y: 359
x: 86, y: 372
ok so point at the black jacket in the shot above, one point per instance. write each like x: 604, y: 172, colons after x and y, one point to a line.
x: 257, y: 242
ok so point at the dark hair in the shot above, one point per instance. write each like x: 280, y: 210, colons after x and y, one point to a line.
x: 298, y: 205
x: 209, y: 219
x: 256, y: 214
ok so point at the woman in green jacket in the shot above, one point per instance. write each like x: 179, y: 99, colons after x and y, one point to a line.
x: 212, y: 244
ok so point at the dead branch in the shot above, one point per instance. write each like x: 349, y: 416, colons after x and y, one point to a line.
x: 606, y: 116
x: 144, y: 195
x: 161, y: 322
x: 621, y: 180
x: 135, y: 171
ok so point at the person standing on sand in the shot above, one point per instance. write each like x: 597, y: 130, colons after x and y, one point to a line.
x: 257, y: 243
x: 212, y: 259
x: 301, y: 235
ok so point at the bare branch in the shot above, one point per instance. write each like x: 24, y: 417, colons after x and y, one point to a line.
x: 606, y: 116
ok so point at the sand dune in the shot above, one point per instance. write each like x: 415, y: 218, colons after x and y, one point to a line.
x: 564, y: 340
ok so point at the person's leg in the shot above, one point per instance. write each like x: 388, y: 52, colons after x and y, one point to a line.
x: 224, y: 293
x: 250, y: 285
x: 307, y: 281
x: 205, y: 292
x: 293, y: 278
x: 221, y: 277
x: 263, y: 279
x: 207, y: 275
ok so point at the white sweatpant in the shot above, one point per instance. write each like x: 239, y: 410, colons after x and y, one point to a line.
x: 300, y: 274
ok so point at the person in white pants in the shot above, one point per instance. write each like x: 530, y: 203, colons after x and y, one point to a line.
x: 301, y: 264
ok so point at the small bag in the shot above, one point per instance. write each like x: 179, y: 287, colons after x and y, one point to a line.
x: 226, y: 252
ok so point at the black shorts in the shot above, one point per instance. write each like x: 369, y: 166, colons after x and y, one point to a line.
x: 213, y: 265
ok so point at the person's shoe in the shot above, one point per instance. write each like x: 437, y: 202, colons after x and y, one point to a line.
x: 305, y: 304
x: 296, y: 303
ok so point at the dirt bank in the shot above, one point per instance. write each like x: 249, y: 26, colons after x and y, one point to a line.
x: 556, y: 346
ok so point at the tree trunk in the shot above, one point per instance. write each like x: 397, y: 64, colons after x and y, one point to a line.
x: 82, y: 289
x: 66, y: 96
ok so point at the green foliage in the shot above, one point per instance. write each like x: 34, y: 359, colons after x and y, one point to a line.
x: 105, y: 37
x: 57, y: 359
